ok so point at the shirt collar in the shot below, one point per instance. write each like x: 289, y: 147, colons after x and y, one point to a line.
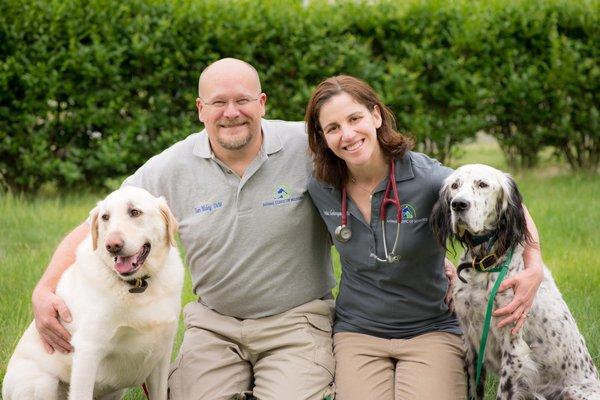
x: 271, y: 142
x: 403, y: 168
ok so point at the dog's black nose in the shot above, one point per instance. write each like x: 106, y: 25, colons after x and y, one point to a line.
x: 114, y: 247
x: 460, y: 205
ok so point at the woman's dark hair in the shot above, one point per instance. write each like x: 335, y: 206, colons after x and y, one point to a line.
x: 327, y: 166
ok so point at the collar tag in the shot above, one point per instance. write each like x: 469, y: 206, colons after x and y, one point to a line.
x: 139, y: 285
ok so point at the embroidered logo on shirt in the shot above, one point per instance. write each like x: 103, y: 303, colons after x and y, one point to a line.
x: 409, y: 215
x: 282, y: 195
x: 408, y: 212
x: 282, y: 192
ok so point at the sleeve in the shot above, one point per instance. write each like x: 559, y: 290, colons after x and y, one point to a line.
x: 147, y: 177
x: 136, y: 179
x: 315, y: 192
x: 439, y: 173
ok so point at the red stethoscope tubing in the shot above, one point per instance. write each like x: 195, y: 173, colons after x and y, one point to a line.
x: 387, y: 199
x: 344, y: 207
x: 391, y: 186
x: 343, y: 232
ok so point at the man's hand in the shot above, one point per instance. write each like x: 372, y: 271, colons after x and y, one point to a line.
x: 47, y: 309
x: 525, y: 285
x: 450, y: 272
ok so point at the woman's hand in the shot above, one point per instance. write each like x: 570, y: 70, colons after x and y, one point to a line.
x: 450, y: 272
x: 525, y: 285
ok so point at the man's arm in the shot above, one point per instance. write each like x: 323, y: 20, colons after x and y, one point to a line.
x: 525, y: 284
x: 47, y: 306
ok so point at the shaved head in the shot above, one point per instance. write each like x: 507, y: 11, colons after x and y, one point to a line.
x: 226, y: 68
x: 231, y: 104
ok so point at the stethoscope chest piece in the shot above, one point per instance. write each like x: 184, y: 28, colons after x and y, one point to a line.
x: 343, y: 233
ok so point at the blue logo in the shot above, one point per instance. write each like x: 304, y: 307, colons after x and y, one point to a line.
x: 281, y: 192
x: 282, y: 195
x: 408, y: 212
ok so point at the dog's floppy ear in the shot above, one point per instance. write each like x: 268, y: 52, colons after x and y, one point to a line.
x: 439, y: 220
x: 512, y: 226
x: 171, y: 223
x: 94, y: 226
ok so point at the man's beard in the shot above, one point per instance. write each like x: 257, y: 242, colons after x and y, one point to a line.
x: 236, y: 142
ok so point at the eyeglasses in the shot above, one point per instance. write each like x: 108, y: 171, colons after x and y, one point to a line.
x: 241, y: 102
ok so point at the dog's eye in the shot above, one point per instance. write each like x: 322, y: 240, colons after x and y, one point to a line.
x: 105, y: 217
x: 454, y: 185
x: 135, y: 212
x: 483, y: 184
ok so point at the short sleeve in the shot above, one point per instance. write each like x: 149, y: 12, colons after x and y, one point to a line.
x: 439, y: 174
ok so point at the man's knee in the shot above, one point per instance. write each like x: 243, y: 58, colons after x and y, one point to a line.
x: 209, y: 366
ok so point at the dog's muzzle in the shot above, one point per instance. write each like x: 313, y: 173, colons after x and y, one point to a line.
x: 460, y: 205
x: 129, y: 265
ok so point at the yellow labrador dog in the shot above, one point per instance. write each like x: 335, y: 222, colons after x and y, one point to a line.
x: 124, y: 294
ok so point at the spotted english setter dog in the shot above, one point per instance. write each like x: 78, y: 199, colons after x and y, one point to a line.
x: 481, y: 208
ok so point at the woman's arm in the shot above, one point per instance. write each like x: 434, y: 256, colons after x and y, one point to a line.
x: 525, y: 284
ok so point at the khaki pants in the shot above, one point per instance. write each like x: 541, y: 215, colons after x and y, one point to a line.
x: 426, y: 367
x: 285, y: 356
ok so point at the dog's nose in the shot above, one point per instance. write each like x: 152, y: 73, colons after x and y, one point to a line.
x: 114, y: 243
x: 459, y: 205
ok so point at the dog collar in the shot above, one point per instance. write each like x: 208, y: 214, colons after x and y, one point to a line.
x: 485, y: 264
x: 139, y: 284
x: 477, y: 240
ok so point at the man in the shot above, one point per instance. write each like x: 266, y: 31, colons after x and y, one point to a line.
x: 256, y: 249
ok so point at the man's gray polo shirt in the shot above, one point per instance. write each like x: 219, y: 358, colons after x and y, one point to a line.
x: 398, y: 300
x: 255, y: 245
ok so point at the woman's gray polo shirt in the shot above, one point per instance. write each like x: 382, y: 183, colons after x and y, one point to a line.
x: 398, y: 300
x: 255, y: 245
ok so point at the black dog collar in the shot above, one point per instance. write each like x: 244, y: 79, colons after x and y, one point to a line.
x: 477, y: 240
x: 139, y: 284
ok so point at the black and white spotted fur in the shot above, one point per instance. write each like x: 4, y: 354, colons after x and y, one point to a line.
x: 548, y: 358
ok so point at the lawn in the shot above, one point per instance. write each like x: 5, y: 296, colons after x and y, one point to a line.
x: 564, y: 206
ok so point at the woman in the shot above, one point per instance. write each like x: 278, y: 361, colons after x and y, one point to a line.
x: 394, y: 335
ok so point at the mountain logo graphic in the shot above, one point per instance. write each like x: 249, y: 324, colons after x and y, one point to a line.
x: 281, y: 192
x: 408, y: 212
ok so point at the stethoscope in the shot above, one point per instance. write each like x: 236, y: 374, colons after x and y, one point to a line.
x: 343, y: 233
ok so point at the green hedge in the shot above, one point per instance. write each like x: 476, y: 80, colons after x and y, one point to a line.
x: 91, y: 89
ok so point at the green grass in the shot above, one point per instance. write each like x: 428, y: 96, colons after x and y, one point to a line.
x: 563, y: 204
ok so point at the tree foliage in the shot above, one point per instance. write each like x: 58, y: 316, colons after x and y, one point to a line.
x: 90, y: 90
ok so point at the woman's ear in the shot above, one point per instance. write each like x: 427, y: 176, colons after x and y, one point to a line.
x: 376, y: 113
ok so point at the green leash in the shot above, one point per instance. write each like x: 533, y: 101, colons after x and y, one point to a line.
x: 503, y: 269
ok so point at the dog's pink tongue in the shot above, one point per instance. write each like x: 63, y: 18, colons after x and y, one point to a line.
x: 124, y: 264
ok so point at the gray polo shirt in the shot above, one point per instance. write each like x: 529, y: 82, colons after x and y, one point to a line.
x: 255, y: 245
x: 398, y: 300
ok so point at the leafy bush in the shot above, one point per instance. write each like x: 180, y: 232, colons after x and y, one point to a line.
x: 89, y: 90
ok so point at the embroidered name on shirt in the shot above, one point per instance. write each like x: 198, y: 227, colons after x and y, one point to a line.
x: 208, y: 207
x: 332, y: 213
